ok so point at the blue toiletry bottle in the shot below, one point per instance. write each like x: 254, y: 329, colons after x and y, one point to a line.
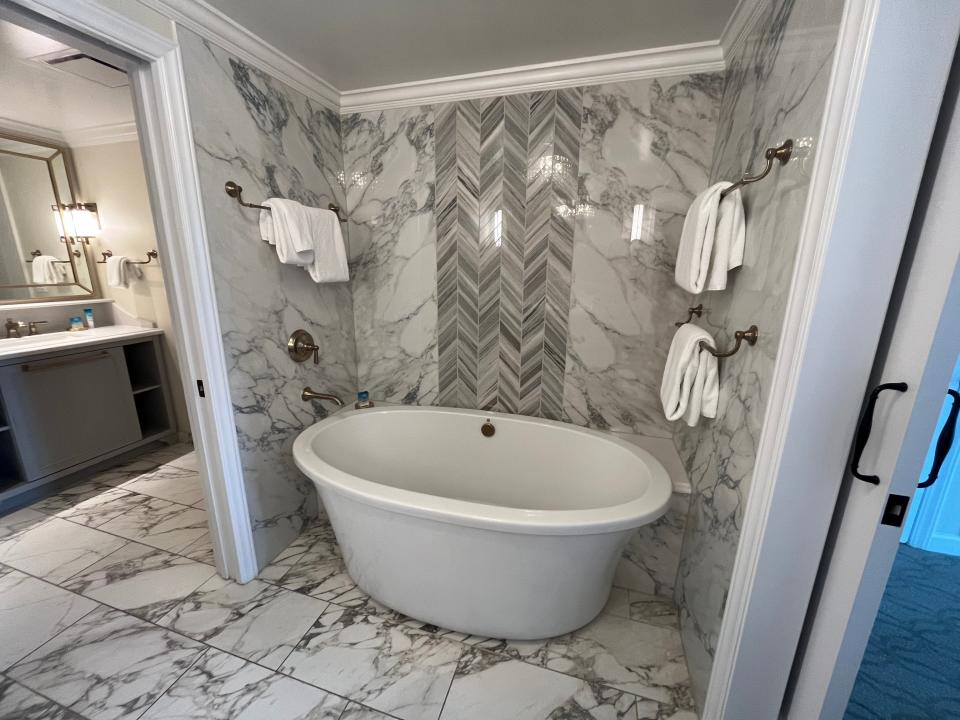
x: 363, y: 400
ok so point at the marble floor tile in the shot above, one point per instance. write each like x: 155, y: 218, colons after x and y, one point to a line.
x: 200, y: 550
x: 650, y: 609
x: 257, y: 621
x: 107, y: 665
x: 143, y: 464
x: 99, y: 509
x: 223, y: 687
x: 20, y: 520
x: 320, y: 572
x: 310, y: 535
x: 68, y: 497
x: 645, y: 660
x: 20, y: 703
x: 169, y: 482
x: 33, y: 611
x: 142, y: 580
x: 492, y: 686
x: 392, y: 668
x: 355, y: 711
x: 57, y: 549
x: 160, y: 523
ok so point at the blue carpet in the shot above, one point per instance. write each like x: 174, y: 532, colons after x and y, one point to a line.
x: 911, y: 669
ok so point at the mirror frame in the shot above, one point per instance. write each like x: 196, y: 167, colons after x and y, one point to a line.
x: 59, y: 151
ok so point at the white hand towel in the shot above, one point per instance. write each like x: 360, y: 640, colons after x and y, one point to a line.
x: 690, y: 387
x: 120, y: 270
x: 330, y: 252
x: 46, y: 270
x: 288, y: 226
x: 712, y: 240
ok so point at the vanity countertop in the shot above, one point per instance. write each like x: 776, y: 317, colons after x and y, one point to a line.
x: 51, y: 342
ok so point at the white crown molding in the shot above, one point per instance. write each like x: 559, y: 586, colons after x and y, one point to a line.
x: 16, y: 127
x: 738, y: 25
x: 655, y: 62
x: 102, y: 134
x: 210, y: 23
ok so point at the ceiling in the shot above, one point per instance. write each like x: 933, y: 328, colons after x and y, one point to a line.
x: 38, y: 94
x: 355, y: 44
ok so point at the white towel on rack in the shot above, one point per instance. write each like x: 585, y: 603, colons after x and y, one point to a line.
x: 330, y: 254
x: 120, y: 270
x: 46, y: 270
x: 306, y: 236
x: 712, y: 240
x: 691, y: 386
x: 289, y: 226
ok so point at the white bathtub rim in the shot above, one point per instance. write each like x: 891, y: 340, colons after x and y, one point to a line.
x: 590, y: 521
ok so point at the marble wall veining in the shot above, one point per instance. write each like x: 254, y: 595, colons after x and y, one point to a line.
x: 390, y: 198
x: 775, y: 89
x: 541, y: 301
x: 251, y: 128
x: 645, y: 149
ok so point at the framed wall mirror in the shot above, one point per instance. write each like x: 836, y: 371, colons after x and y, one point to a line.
x: 44, y: 229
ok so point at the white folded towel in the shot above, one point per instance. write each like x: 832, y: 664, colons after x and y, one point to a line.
x: 46, y: 270
x: 120, y: 270
x: 712, y: 240
x: 306, y: 236
x: 691, y: 386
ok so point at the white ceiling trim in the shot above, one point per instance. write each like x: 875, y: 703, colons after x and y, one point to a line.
x: 738, y: 25
x: 17, y: 127
x: 102, y: 134
x: 656, y: 62
x: 210, y: 23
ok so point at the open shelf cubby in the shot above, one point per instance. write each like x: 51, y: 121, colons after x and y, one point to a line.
x: 143, y: 366
x: 152, y: 411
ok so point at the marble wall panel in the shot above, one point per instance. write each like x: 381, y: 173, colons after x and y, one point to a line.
x: 252, y: 129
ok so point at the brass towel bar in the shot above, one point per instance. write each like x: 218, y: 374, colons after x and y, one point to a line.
x: 698, y: 311
x: 750, y: 335
x: 37, y: 253
x: 781, y: 153
x: 235, y: 191
x: 151, y: 255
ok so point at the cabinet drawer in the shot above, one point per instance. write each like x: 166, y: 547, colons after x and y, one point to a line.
x: 69, y: 408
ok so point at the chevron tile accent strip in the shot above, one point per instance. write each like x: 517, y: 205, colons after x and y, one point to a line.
x: 506, y: 170
x: 458, y: 161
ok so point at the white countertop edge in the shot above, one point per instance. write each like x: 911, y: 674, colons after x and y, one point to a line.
x: 11, y: 350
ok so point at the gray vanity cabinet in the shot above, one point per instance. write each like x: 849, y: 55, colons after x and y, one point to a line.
x: 69, y: 408
x: 64, y: 413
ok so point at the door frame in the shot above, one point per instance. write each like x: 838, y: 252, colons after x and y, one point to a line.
x: 885, y: 48
x: 166, y: 140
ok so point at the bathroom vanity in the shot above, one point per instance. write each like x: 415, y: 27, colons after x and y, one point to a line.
x: 72, y: 400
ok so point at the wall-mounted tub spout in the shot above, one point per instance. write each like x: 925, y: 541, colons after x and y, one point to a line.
x: 310, y: 394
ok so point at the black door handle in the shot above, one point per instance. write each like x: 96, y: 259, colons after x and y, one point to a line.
x: 866, y: 425
x: 945, y: 441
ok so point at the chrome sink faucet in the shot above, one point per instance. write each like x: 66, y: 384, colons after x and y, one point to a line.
x: 311, y: 394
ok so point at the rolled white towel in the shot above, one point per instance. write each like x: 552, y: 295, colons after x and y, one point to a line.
x: 712, y: 240
x: 120, y: 270
x: 47, y: 270
x: 690, y: 387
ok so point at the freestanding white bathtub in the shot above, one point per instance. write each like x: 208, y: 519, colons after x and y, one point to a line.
x: 515, y: 535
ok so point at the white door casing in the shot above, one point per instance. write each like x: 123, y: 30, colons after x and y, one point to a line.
x: 163, y: 120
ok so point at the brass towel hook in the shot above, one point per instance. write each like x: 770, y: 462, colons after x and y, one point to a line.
x: 781, y: 153
x: 749, y: 335
x: 698, y: 311
x: 236, y: 191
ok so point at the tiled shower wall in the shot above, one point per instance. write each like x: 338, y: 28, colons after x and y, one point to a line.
x: 776, y: 88
x: 497, y: 262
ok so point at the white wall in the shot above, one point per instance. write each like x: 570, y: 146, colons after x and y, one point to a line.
x: 113, y: 176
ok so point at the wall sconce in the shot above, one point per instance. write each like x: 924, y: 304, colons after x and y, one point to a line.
x: 79, y: 221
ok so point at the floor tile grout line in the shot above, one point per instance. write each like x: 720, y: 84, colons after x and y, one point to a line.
x: 201, y: 654
x: 40, y: 694
x: 453, y: 677
x: 62, y: 630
